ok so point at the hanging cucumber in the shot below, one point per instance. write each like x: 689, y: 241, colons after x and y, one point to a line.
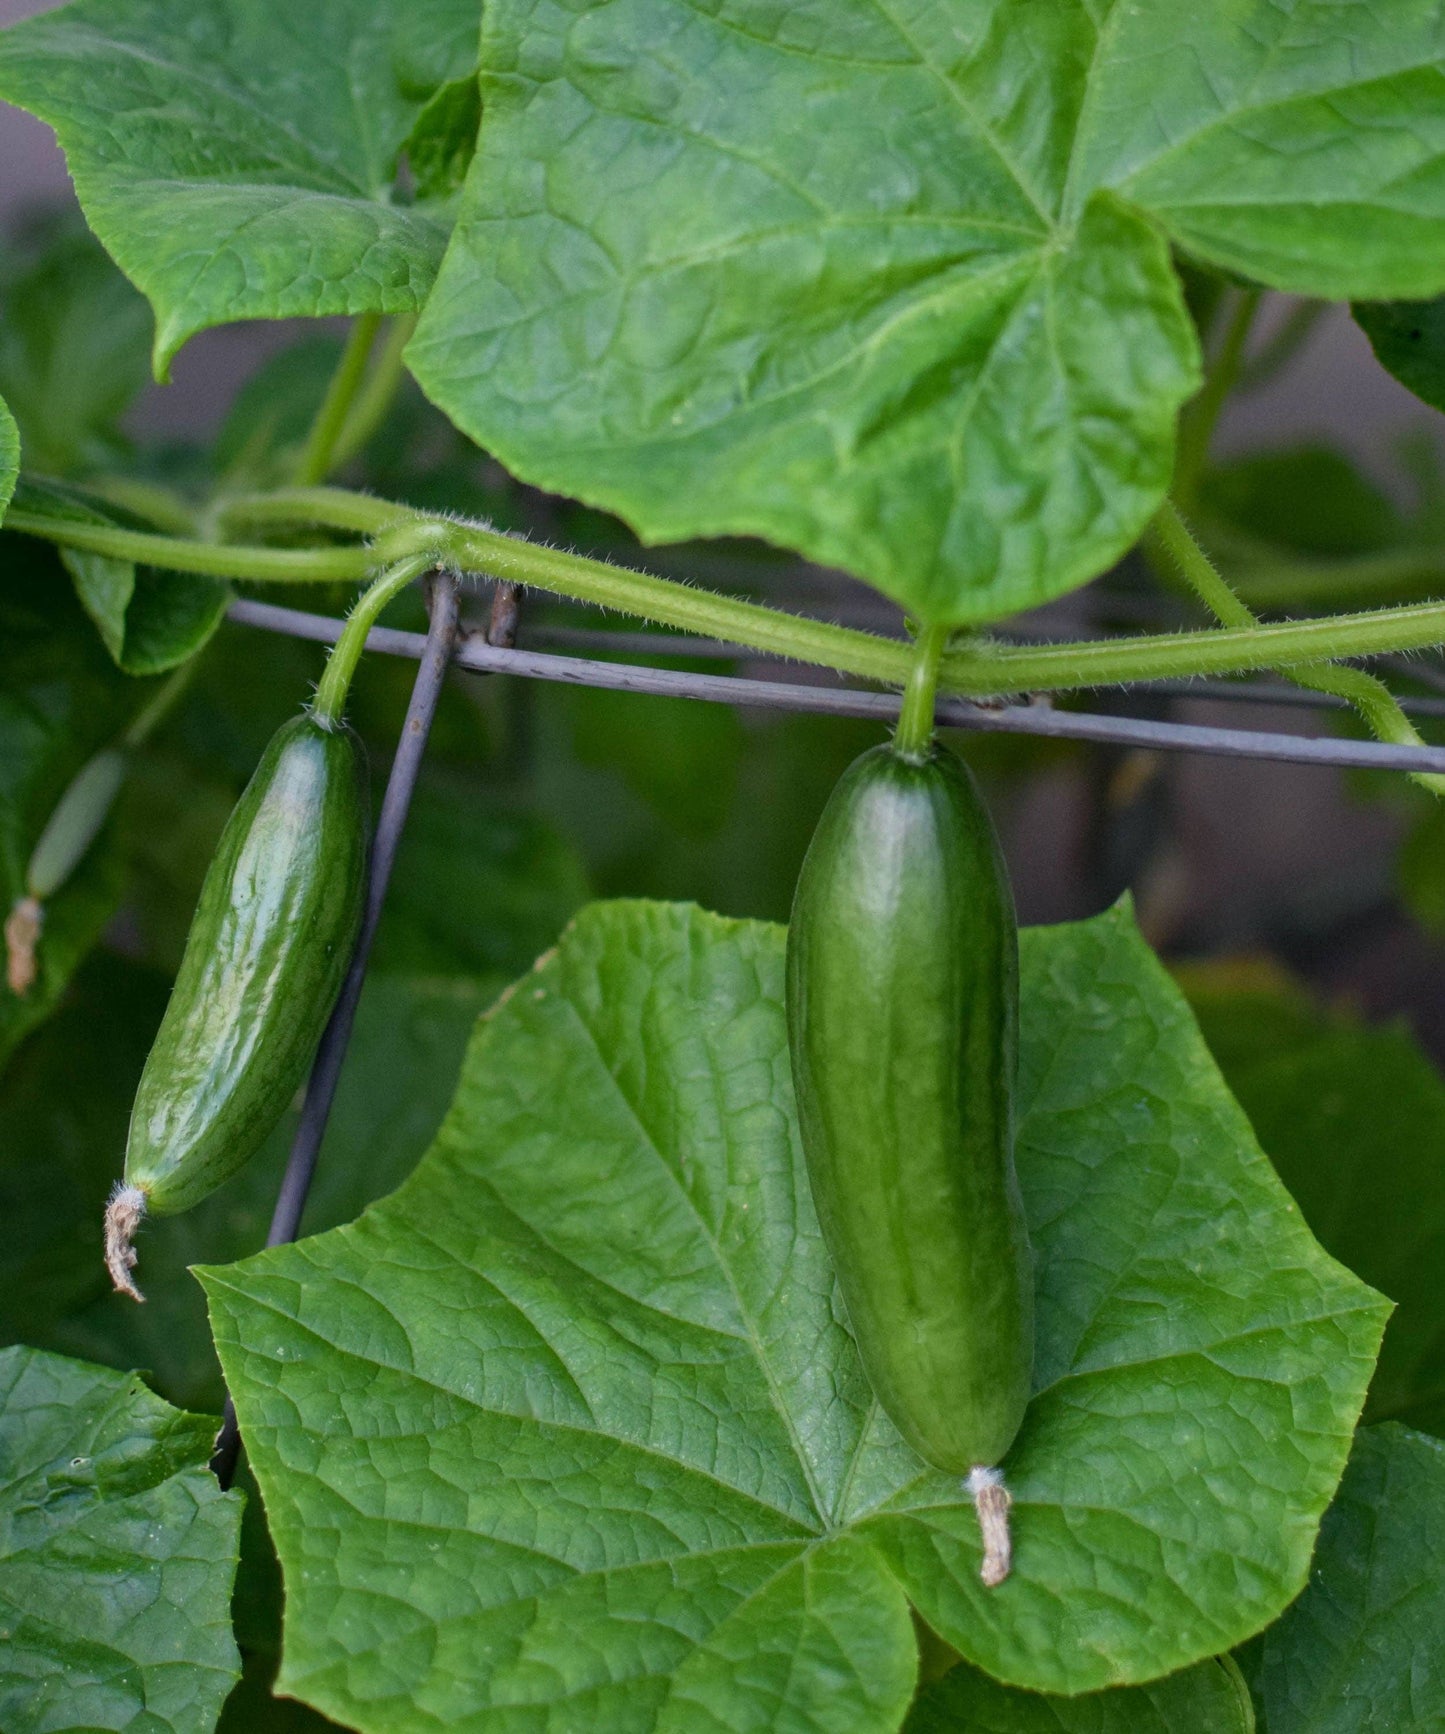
x: 903, y: 1028
x: 264, y: 960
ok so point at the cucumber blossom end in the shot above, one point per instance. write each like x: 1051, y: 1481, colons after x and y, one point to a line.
x: 124, y: 1214
x: 991, y: 1500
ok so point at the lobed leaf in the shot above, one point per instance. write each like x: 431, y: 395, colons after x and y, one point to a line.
x: 570, y: 1426
x: 888, y: 281
x: 240, y: 162
x: 117, y: 1554
x: 1360, y: 1651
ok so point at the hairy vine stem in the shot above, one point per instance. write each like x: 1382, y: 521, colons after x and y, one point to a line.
x: 329, y: 705
x: 1371, y: 698
x: 978, y: 668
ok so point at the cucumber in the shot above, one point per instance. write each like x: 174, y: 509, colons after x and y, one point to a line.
x: 902, y: 992
x: 264, y: 960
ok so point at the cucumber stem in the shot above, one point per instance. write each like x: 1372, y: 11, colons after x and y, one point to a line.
x: 991, y: 1500
x: 329, y: 705
x: 123, y: 1216
x: 914, y: 734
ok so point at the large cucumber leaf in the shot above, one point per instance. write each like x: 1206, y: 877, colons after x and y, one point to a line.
x: 239, y: 161
x: 1360, y: 1652
x: 1353, y: 1119
x: 888, y: 281
x: 117, y: 1554
x: 570, y: 1427
x: 1208, y: 1699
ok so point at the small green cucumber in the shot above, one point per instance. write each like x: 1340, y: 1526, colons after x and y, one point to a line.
x: 264, y: 960
x: 903, y: 1027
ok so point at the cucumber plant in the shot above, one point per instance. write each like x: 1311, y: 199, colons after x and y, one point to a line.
x: 890, y: 1323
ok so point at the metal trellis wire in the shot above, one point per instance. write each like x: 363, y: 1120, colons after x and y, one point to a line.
x: 1036, y: 718
x: 435, y: 653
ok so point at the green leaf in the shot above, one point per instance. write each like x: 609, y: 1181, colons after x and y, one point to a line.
x: 9, y: 457
x: 1208, y: 1699
x: 1353, y: 1119
x: 117, y: 1551
x: 61, y: 699
x: 237, y: 162
x: 1408, y: 338
x: 1360, y: 1650
x: 149, y: 621
x: 887, y: 281
x: 74, y: 349
x: 576, y: 1419
x: 64, y: 1106
x: 443, y: 142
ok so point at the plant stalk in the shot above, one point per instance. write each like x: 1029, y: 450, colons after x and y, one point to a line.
x: 329, y: 705
x: 1200, y: 417
x: 318, y: 456
x: 1371, y: 698
x: 376, y: 397
x: 914, y: 734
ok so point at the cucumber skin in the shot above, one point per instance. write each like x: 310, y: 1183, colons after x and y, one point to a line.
x: 903, y: 1028
x: 264, y: 960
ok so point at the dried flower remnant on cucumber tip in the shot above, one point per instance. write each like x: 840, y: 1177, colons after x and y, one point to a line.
x: 991, y: 1500
x: 123, y: 1216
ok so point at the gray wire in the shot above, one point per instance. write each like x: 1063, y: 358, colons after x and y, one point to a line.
x: 1024, y: 719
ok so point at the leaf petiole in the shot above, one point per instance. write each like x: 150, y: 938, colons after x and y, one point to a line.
x: 319, y: 454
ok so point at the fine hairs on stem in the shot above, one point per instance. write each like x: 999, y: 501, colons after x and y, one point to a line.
x: 991, y: 1500
x: 123, y: 1216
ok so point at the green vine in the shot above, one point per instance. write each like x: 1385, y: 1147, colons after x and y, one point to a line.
x: 1170, y: 536
x: 976, y: 668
